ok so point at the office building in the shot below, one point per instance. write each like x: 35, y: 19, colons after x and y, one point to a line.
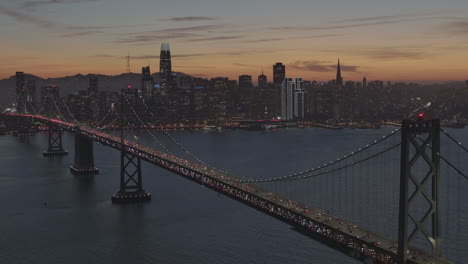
x: 292, y: 99
x: 279, y: 73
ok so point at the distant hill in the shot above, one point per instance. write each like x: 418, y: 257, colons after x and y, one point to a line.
x: 72, y: 84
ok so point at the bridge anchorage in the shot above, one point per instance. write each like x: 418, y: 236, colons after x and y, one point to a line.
x: 84, y: 156
x: 131, y: 182
x: 55, y: 142
x: 419, y: 191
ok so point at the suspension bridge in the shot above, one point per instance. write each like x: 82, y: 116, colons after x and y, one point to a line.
x: 417, y: 143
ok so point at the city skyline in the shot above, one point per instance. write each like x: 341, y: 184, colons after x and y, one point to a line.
x: 425, y: 42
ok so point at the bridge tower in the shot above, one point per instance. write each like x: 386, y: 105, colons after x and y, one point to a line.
x: 131, y: 182
x: 84, y: 156
x: 55, y: 142
x: 419, y: 188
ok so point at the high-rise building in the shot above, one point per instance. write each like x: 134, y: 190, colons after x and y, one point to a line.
x: 299, y: 100
x: 339, y: 79
x: 245, y: 88
x: 279, y: 73
x: 165, y: 69
x: 31, y: 95
x: 146, y: 80
x: 20, y: 92
x: 91, y: 100
x: 364, y: 83
x: 292, y: 99
x: 262, y: 81
x: 50, y: 95
x: 93, y: 86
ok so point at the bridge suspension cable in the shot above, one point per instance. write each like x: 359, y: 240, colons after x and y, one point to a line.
x: 445, y: 159
x: 178, y: 144
x: 325, y: 165
x: 454, y: 140
x: 309, y: 175
x: 152, y: 135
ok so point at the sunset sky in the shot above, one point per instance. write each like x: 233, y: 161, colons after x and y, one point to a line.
x: 385, y: 40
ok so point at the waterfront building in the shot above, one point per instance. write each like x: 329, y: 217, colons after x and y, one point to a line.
x: 292, y: 99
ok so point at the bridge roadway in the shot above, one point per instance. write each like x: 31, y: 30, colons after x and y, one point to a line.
x: 356, y: 241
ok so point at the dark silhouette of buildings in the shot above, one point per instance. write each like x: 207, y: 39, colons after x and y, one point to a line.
x: 262, y: 81
x: 93, y: 86
x: 245, y: 89
x: 146, y: 80
x: 31, y: 96
x: 50, y: 96
x: 20, y: 92
x: 279, y: 73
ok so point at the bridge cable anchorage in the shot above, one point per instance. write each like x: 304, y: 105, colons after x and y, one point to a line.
x: 178, y: 144
x: 326, y: 165
x: 447, y: 161
x: 283, y: 179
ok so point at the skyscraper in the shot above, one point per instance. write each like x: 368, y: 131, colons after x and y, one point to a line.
x: 50, y: 95
x: 93, y: 86
x: 262, y: 81
x: 292, y: 99
x: 146, y: 80
x: 279, y: 73
x: 165, y: 59
x: 31, y: 95
x: 245, y: 88
x: 165, y: 69
x: 339, y: 79
x: 20, y: 92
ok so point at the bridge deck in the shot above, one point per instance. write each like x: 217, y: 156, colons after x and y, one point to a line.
x: 356, y: 240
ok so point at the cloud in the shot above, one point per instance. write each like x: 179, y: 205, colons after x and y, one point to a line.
x: 392, y: 53
x: 345, y: 26
x: 191, y: 29
x: 189, y: 18
x: 21, y: 17
x: 320, y: 66
x: 29, y: 4
x: 198, y: 33
x: 244, y: 65
x: 266, y: 40
x: 31, y: 19
x: 214, y: 38
x: 81, y: 34
x: 102, y: 56
x: 458, y: 27
x: 376, y: 18
x: 153, y: 38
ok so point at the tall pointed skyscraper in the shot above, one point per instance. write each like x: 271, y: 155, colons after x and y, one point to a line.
x: 165, y: 59
x: 165, y: 69
x: 339, y: 79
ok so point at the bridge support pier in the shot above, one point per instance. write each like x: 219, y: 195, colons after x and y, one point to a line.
x: 55, y: 142
x: 131, y: 184
x: 84, y: 157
